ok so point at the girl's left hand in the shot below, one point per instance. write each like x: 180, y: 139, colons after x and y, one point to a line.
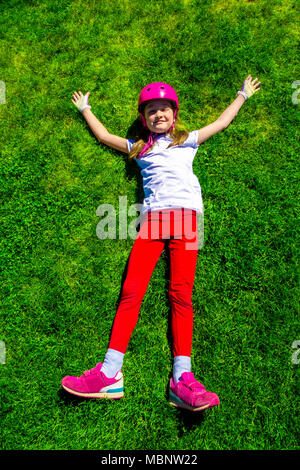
x: 249, y: 87
x: 81, y: 101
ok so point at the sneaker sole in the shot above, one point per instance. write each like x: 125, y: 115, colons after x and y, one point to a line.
x: 117, y: 393
x: 174, y: 400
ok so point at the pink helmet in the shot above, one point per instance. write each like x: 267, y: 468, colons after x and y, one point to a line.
x: 154, y: 91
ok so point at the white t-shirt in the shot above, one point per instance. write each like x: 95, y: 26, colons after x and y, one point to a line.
x: 168, y: 178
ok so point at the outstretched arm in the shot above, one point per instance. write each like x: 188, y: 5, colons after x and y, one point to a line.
x: 102, y: 134
x: 248, y: 89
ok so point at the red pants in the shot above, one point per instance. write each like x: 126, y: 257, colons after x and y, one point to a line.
x: 176, y: 228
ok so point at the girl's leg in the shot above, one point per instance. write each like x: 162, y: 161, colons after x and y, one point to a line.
x: 106, y: 380
x: 186, y: 393
x: 143, y: 258
x: 183, y: 260
x: 183, y: 266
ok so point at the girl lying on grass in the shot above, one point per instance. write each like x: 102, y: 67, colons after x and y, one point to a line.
x: 164, y: 152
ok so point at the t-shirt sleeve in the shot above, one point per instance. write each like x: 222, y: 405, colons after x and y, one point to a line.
x: 192, y: 140
x: 130, y: 143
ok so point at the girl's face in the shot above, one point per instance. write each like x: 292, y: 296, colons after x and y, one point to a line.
x: 159, y: 116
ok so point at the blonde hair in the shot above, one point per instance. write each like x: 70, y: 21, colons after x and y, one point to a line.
x: 179, y: 135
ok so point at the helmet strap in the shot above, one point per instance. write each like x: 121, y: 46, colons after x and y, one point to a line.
x: 150, y: 142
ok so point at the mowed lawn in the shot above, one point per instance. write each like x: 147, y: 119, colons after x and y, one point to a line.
x: 60, y: 283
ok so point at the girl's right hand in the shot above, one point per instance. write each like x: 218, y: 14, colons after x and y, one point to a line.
x: 81, y: 101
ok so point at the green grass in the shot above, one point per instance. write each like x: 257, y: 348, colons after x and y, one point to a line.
x: 60, y: 284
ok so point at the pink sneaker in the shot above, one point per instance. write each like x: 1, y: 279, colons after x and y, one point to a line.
x: 190, y: 394
x: 94, y: 384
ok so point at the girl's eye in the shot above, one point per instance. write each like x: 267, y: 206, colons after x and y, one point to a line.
x: 153, y: 111
x: 150, y: 111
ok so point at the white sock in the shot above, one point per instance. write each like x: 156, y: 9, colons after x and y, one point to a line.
x: 112, y: 363
x: 181, y: 364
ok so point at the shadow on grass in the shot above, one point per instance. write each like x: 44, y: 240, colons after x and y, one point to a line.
x: 70, y: 399
x: 131, y: 167
x: 185, y: 421
x: 188, y: 419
